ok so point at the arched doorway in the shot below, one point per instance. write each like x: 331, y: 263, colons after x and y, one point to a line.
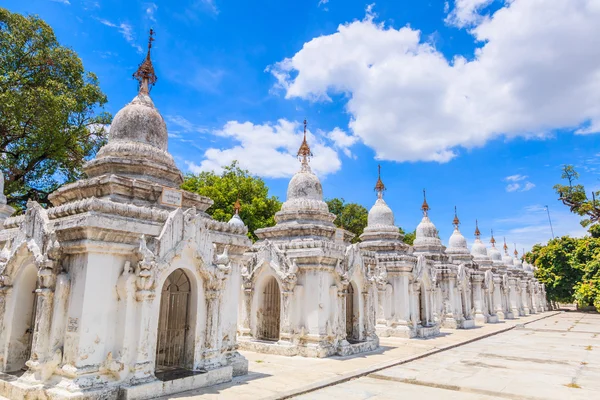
x: 352, y: 319
x: 268, y: 327
x: 173, y: 322
x: 423, y: 306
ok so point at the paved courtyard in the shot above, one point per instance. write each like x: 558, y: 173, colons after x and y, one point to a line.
x: 554, y: 358
x: 548, y: 356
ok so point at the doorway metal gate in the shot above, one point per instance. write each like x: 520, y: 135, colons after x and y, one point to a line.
x: 268, y: 329
x: 31, y: 329
x: 173, y: 321
x: 350, y: 312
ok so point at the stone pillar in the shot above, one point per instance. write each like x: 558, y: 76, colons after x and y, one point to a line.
x: 41, y: 332
x: 341, y: 296
x: 380, y: 318
x: 513, y: 296
x: 144, y: 359
x: 477, y: 279
x: 402, y: 300
x: 498, y: 307
x: 213, y: 336
x: 5, y: 298
x: 285, y: 331
x: 246, y: 311
x: 524, y: 299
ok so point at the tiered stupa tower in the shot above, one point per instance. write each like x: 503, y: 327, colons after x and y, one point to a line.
x: 396, y: 266
x: 428, y: 245
x: 105, y: 264
x: 462, y: 259
x: 306, y: 289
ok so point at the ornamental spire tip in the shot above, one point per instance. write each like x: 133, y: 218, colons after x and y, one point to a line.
x: 145, y: 73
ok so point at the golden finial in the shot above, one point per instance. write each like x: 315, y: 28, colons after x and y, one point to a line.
x: 492, y: 240
x: 477, y: 232
x: 237, y: 205
x: 145, y: 72
x: 379, y: 186
x: 516, y: 252
x: 425, y: 206
x: 505, y: 246
x: 455, y: 221
x: 304, y: 152
x: 523, y: 254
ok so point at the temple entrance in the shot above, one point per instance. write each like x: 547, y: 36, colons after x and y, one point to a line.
x: 173, y: 322
x: 30, y: 330
x: 21, y: 332
x: 352, y: 331
x: 269, y: 321
x: 423, y: 307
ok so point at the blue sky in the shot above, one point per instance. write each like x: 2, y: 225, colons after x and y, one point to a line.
x: 480, y: 102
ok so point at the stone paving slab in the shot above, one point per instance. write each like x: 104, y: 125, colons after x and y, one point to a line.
x: 273, y: 377
x: 548, y: 359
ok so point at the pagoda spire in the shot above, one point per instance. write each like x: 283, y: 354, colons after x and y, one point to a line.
x: 237, y: 206
x: 379, y: 186
x: 477, y: 231
x: 516, y: 253
x: 492, y: 240
x: 304, y: 152
x: 145, y: 73
x: 505, y: 246
x: 425, y: 206
x: 455, y: 221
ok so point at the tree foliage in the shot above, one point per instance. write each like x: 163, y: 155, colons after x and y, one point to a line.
x: 574, y: 196
x: 258, y: 208
x: 350, y: 216
x: 570, y: 267
x: 409, y: 238
x: 50, y: 110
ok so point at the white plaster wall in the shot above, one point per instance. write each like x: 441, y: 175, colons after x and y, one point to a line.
x: 22, y: 300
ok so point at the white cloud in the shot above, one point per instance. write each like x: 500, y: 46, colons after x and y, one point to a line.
x: 512, y: 187
x: 126, y: 30
x: 516, y: 183
x: 536, y: 71
x: 210, y: 5
x: 341, y: 140
x: 150, y: 10
x: 268, y: 150
x: 322, y: 3
x: 466, y: 12
x: 528, y: 186
x: 62, y: 2
x: 515, y: 178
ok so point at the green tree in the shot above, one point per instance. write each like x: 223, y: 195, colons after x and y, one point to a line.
x: 350, y: 216
x: 258, y: 208
x: 51, y: 117
x: 575, y: 197
x: 409, y: 238
x: 555, y: 268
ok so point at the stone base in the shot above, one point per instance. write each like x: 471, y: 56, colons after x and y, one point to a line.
x: 158, y: 388
x: 492, y: 319
x: 315, y: 350
x: 480, y: 319
x: 428, y: 331
x: 15, y: 388
x: 356, y: 348
x: 238, y: 362
x: 402, y: 331
x: 509, y: 315
x: 467, y: 324
x: 450, y: 323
